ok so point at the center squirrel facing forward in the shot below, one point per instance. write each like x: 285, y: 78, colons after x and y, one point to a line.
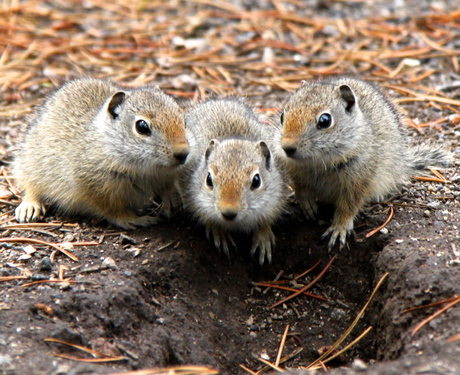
x: 343, y: 143
x: 233, y: 181
x: 100, y: 150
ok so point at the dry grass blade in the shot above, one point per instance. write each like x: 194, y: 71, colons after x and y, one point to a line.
x: 92, y: 360
x: 38, y: 225
x: 248, y: 370
x: 353, y: 324
x: 315, y: 280
x: 272, y: 365
x: 281, y: 348
x: 430, y: 318
x: 454, y: 338
x: 176, y: 370
x: 49, y: 281
x: 94, y: 353
x: 308, y: 271
x: 35, y: 241
x: 266, y: 368
x: 430, y: 179
x: 9, y: 278
x: 390, y: 216
x: 350, y: 345
x: 280, y: 287
x: 438, y: 175
x: 431, y: 304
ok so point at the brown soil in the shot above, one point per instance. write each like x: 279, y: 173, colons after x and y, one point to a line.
x: 163, y: 296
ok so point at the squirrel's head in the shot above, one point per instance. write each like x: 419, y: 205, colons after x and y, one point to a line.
x: 239, y: 184
x: 147, y: 128
x: 320, y: 122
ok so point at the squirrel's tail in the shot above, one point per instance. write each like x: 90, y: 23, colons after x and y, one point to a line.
x: 429, y: 156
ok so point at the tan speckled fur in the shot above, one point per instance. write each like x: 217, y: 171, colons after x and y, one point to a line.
x: 229, y: 147
x: 364, y: 155
x: 83, y: 155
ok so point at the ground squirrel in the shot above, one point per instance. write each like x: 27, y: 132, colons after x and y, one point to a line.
x: 100, y: 150
x: 344, y: 144
x: 233, y: 181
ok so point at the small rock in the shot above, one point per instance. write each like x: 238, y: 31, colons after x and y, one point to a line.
x: 125, y: 240
x: 46, y: 265
x: 358, y: 365
x: 427, y: 213
x: 109, y: 263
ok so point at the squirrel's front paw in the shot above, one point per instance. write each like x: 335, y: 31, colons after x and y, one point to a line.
x: 264, y: 241
x: 220, y: 238
x: 29, y: 210
x: 338, y: 231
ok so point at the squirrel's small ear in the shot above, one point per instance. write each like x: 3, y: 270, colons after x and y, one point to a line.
x: 303, y: 83
x: 348, y: 96
x: 266, y: 153
x: 115, y: 102
x: 211, y: 146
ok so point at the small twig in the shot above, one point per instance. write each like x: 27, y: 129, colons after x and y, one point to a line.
x: 430, y: 304
x: 440, y: 311
x: 10, y: 183
x: 308, y: 271
x: 33, y: 240
x: 92, y: 360
x: 390, y: 216
x: 306, y: 287
x: 9, y: 278
x: 351, y: 344
x: 352, y: 325
x: 454, y: 338
x: 161, y: 248
x: 281, y: 348
x: 270, y: 364
x: 49, y: 281
x: 275, y: 286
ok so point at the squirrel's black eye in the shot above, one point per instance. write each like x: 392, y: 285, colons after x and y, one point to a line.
x: 256, y: 181
x: 143, y: 128
x: 324, y: 121
x: 282, y: 118
x: 209, y: 180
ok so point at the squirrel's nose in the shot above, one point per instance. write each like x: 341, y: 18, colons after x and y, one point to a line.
x: 229, y: 214
x: 288, y: 144
x: 290, y: 150
x: 181, y: 153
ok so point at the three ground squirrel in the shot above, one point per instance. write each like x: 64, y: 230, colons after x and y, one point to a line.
x: 344, y: 144
x: 101, y: 150
x: 233, y: 182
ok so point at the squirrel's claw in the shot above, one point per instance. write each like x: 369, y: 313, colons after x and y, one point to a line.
x: 264, y: 240
x: 309, y: 207
x: 336, y: 232
x: 29, y: 210
x: 221, y: 239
